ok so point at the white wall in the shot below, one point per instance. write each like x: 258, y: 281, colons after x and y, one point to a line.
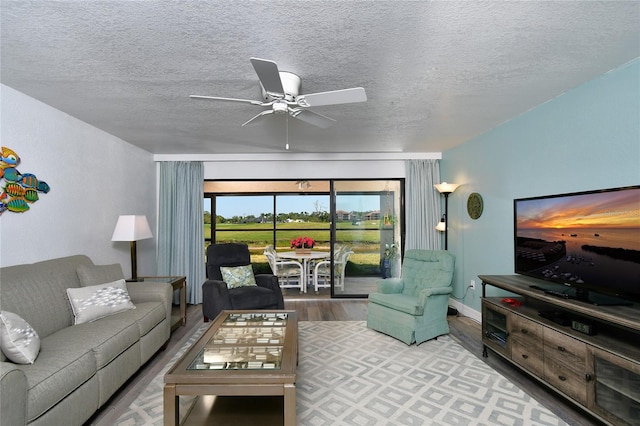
x: 303, y: 166
x: 94, y: 178
x: 301, y: 169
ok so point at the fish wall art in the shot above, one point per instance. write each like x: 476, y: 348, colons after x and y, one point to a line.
x: 20, y: 189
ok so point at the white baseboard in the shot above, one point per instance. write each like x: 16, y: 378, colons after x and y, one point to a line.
x: 466, y: 311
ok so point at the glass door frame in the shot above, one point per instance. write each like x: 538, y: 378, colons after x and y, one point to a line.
x: 333, y: 229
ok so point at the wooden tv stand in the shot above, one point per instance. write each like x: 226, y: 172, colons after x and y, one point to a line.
x: 598, y: 372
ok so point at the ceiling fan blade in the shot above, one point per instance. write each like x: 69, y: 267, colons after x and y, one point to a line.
x: 335, y: 97
x: 311, y: 117
x: 268, y: 74
x: 218, y: 98
x: 269, y: 111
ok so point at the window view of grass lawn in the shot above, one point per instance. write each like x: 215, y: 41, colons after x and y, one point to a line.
x: 363, y: 238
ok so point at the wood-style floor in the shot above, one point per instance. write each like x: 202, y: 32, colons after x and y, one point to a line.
x: 463, y: 329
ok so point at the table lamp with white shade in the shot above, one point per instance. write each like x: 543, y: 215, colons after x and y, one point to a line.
x: 132, y: 228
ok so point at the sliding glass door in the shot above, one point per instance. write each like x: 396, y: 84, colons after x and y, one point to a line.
x: 367, y: 222
x: 352, y: 222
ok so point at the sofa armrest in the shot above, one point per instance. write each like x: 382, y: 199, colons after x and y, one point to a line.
x: 13, y: 389
x: 151, y: 291
x: 390, y: 285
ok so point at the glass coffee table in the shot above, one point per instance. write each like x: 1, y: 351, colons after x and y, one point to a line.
x: 247, y: 353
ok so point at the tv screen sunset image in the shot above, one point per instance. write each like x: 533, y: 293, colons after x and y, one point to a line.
x: 590, y: 238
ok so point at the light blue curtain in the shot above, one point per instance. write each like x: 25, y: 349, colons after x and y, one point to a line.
x: 181, y: 224
x: 422, y: 205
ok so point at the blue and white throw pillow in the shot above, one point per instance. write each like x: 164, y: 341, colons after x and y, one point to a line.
x: 238, y: 276
x: 18, y: 340
x: 99, y: 301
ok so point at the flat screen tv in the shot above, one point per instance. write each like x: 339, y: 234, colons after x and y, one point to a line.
x: 585, y: 245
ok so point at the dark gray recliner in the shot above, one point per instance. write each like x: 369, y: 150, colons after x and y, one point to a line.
x: 217, y: 297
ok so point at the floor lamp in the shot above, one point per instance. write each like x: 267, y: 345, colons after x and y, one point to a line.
x: 132, y: 228
x: 445, y: 189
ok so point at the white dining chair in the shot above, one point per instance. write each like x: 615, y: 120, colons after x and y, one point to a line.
x: 290, y: 272
x: 322, y: 270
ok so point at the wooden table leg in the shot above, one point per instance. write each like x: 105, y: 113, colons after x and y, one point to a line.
x: 183, y: 302
x: 289, y: 404
x: 171, y: 406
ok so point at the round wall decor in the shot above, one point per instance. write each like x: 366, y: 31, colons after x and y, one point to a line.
x: 474, y: 205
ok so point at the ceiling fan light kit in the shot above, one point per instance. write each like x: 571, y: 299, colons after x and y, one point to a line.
x: 290, y: 88
x: 280, y: 107
x: 281, y: 93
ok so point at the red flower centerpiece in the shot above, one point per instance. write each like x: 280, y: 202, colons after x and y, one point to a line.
x: 303, y: 244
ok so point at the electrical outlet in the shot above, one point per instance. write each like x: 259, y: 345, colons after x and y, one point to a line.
x: 472, y: 285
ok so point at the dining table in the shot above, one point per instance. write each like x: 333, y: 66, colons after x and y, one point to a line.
x: 307, y: 259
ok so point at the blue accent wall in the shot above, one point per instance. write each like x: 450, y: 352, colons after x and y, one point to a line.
x: 585, y: 139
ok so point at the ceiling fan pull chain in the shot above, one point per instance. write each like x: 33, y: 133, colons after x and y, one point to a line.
x: 287, y: 135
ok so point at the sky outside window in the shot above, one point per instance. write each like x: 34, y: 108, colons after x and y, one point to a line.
x: 230, y: 206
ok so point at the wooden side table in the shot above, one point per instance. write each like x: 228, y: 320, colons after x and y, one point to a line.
x: 180, y: 284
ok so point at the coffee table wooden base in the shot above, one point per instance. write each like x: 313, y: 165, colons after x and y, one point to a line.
x: 232, y: 410
x: 242, y: 353
x: 172, y: 392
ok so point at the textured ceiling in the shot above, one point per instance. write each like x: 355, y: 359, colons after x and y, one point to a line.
x: 436, y: 73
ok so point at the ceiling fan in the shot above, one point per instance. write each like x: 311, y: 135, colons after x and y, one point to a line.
x: 281, y: 94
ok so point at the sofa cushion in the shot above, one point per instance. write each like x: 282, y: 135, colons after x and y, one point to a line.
x: 63, y: 366
x: 97, y: 274
x: 399, y: 302
x: 98, y: 301
x: 145, y: 317
x: 85, y: 348
x: 107, y: 337
x: 18, y: 340
x: 253, y: 297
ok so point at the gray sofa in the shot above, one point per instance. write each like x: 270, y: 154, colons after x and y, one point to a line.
x: 79, y: 367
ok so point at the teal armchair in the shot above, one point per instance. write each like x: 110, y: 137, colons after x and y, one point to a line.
x: 413, y: 308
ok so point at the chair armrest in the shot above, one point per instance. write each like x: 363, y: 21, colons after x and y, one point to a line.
x: 267, y: 280
x: 425, y: 293
x: 288, y: 262
x: 390, y: 285
x: 271, y: 282
x: 151, y: 291
x: 316, y: 265
x: 215, y: 298
x: 13, y: 388
x: 283, y: 263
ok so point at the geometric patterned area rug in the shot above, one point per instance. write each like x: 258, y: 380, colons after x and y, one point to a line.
x: 147, y: 408
x: 351, y: 375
